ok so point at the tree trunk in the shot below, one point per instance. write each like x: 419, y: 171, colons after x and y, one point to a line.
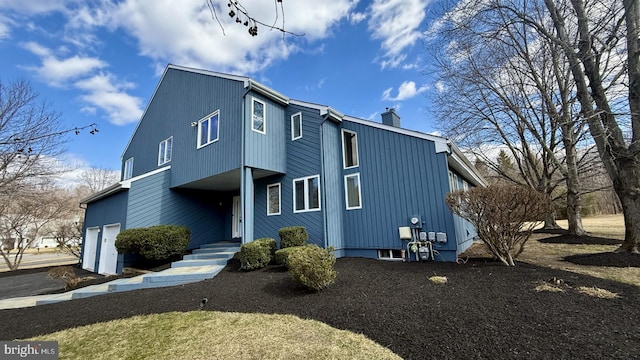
x: 550, y: 222
x: 628, y: 190
x: 574, y: 215
x: 574, y: 208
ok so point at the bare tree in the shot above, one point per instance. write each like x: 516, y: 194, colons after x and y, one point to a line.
x: 514, y: 90
x: 95, y: 179
x: 25, y: 214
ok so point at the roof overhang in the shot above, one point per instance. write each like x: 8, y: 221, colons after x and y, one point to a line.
x: 459, y: 162
x: 113, y: 189
x: 251, y: 84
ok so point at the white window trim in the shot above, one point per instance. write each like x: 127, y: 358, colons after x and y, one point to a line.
x: 391, y: 256
x: 465, y: 185
x: 208, y: 117
x: 128, y: 169
x: 346, y: 193
x: 160, y: 152
x: 344, y: 162
x: 279, y: 199
x: 293, y: 137
x: 306, y: 194
x: 264, y: 116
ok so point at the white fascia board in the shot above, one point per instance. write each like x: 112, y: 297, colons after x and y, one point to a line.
x: 442, y: 144
x: 459, y: 162
x: 183, y: 68
x: 323, y: 110
x: 251, y: 84
x: 102, y: 193
x: 127, y: 183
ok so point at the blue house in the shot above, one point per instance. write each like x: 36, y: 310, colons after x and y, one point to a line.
x: 233, y: 159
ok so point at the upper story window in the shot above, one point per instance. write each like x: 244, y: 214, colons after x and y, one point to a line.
x: 306, y: 194
x: 258, y: 118
x: 273, y: 199
x: 164, y: 151
x: 128, y: 169
x: 209, y: 129
x: 296, y: 126
x: 349, y: 149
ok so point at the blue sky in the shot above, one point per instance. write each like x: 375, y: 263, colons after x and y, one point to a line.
x: 100, y: 61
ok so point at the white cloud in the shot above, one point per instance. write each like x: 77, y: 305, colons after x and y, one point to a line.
x: 31, y: 7
x: 356, y: 17
x: 407, y: 90
x: 440, y: 86
x: 104, y: 92
x: 397, y: 23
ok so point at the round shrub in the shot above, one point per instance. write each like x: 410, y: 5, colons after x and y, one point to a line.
x: 159, y: 242
x: 256, y: 254
x: 282, y: 255
x: 312, y: 266
x: 292, y: 236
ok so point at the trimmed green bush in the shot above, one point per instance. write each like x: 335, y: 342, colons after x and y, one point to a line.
x: 282, y: 255
x: 312, y: 266
x: 292, y: 236
x: 159, y: 242
x: 257, y: 254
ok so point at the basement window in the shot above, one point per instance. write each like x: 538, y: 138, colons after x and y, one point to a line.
x: 390, y: 254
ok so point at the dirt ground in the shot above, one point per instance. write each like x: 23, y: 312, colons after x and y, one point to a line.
x: 484, y: 310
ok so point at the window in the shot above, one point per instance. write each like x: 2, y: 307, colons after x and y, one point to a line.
x: 451, y: 186
x: 352, y: 191
x: 128, y: 169
x: 390, y: 254
x: 164, y: 151
x: 296, y: 126
x: 273, y: 199
x: 208, y: 129
x: 349, y: 149
x: 306, y: 194
x: 465, y: 185
x: 258, y: 120
x: 456, y: 185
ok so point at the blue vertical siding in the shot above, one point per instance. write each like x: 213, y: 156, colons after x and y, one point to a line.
x: 182, y: 98
x: 206, y: 213
x: 302, y: 159
x: 333, y: 186
x: 400, y: 176
x: 266, y: 151
x: 109, y: 210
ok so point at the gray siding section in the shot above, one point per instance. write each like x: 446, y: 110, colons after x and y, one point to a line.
x: 151, y: 202
x: 182, y: 98
x: 465, y: 231
x: 109, y: 210
x: 334, y: 203
x: 267, y: 151
x: 401, y: 176
x: 302, y: 159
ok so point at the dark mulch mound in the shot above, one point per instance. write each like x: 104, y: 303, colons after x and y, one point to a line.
x: 579, y: 240
x: 485, y: 311
x: 551, y: 231
x: 614, y: 259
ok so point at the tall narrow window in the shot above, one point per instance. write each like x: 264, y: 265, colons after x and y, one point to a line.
x: 349, y: 149
x: 128, y: 169
x: 164, y: 151
x: 258, y: 119
x: 208, y: 129
x: 352, y: 192
x: 296, y: 126
x: 273, y: 199
x: 306, y: 194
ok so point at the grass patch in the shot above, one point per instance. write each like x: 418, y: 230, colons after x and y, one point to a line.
x: 548, y: 288
x: 438, y: 279
x: 220, y: 335
x: 597, y: 292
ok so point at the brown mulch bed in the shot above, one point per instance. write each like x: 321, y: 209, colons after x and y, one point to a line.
x: 613, y: 259
x: 484, y: 311
x: 579, y: 240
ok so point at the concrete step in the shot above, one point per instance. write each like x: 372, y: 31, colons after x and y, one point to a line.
x: 209, y: 255
x: 90, y: 291
x: 218, y: 245
x: 213, y: 251
x: 199, y: 262
x: 184, y: 274
x: 52, y: 299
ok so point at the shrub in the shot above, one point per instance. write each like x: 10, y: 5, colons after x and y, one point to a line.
x: 292, y: 236
x: 66, y: 273
x: 256, y: 254
x: 282, y: 255
x: 159, y: 242
x: 504, y: 216
x: 312, y: 266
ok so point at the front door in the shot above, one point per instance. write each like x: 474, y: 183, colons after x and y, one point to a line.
x: 236, y: 218
x: 108, y: 253
x: 90, y: 246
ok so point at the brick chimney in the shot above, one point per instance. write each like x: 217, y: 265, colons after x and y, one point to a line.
x: 390, y: 117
